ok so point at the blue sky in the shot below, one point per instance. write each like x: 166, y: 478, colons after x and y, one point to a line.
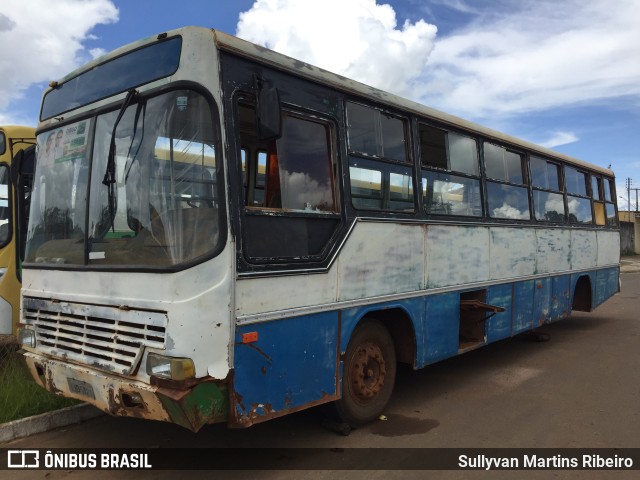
x: 560, y: 73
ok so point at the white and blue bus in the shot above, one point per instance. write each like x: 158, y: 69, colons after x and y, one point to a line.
x: 225, y: 234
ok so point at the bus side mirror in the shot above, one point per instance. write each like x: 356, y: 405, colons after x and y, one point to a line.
x: 268, y: 111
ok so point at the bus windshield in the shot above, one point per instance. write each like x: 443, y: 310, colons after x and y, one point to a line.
x: 161, y: 209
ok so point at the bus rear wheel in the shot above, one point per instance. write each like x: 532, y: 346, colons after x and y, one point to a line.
x: 368, y: 375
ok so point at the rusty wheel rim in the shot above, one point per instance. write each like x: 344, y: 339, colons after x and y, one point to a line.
x: 368, y: 371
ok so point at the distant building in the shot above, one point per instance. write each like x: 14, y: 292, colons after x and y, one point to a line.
x: 629, y: 232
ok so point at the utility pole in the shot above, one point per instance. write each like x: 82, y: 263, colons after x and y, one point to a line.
x: 636, y: 190
x: 629, y: 196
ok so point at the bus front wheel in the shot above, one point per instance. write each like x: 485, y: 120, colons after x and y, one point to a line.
x: 368, y: 375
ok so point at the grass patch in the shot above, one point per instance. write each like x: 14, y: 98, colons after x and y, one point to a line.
x: 20, y: 395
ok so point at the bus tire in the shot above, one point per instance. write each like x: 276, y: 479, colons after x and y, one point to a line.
x: 368, y: 375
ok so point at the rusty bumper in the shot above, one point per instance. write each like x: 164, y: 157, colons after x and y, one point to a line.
x: 203, y: 403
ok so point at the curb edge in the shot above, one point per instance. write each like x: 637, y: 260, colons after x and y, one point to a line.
x: 47, y: 421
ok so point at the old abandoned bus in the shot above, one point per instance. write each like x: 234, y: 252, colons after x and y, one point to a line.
x: 229, y: 234
x: 16, y: 152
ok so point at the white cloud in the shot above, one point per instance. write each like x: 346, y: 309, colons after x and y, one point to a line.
x: 513, y: 58
x: 545, y: 55
x: 43, y: 40
x: 559, y: 138
x: 97, y: 52
x: 356, y: 38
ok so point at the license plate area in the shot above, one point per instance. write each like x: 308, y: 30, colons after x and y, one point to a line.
x: 80, y: 388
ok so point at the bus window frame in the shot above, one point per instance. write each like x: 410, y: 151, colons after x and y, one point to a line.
x: 526, y: 181
x: 424, y: 167
x: 245, y: 211
x: 385, y: 165
x: 560, y: 191
x: 571, y: 194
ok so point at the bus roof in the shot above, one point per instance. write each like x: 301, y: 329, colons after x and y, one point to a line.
x: 18, y: 131
x: 263, y: 55
x: 242, y: 47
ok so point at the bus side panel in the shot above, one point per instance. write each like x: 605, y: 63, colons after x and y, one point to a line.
x: 284, y: 366
x: 542, y: 301
x: 523, y: 306
x: 456, y: 255
x: 561, y: 294
x: 608, y: 248
x: 583, y: 253
x: 499, y: 325
x: 513, y: 252
x: 442, y: 326
x: 606, y: 284
x: 553, y: 250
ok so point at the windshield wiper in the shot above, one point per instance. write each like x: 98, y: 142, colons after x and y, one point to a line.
x: 110, y: 173
x: 142, y: 107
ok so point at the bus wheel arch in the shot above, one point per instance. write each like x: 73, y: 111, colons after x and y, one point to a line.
x: 583, y: 295
x: 368, y: 374
x: 393, y: 336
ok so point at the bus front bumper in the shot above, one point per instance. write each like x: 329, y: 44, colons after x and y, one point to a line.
x: 206, y: 402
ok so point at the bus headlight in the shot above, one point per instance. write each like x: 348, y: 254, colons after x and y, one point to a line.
x: 27, y: 338
x: 171, y: 368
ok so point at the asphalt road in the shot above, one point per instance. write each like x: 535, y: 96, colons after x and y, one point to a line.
x: 579, y: 389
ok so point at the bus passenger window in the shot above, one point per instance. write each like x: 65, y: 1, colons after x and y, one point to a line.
x: 293, y: 173
x: 305, y: 166
x: 260, y: 179
x: 447, y: 150
x: 578, y: 202
x: 444, y: 193
x: 377, y: 185
x: 576, y: 181
x: 400, y: 192
x: 377, y: 142
x: 609, y: 197
x: 607, y: 190
x: 548, y: 201
x: 502, y: 164
x: 366, y: 188
x: 507, y: 198
x: 596, y: 196
x: 376, y: 134
x: 612, y: 218
x: 596, y: 187
x: 291, y: 203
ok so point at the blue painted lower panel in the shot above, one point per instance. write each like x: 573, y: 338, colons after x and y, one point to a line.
x: 441, y: 328
x: 295, y: 362
x: 499, y: 325
x: 607, y: 284
x: 523, y: 306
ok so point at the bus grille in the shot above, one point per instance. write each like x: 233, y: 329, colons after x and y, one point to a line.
x: 107, y: 338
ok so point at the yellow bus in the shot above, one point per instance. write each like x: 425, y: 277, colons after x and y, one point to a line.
x: 17, y: 151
